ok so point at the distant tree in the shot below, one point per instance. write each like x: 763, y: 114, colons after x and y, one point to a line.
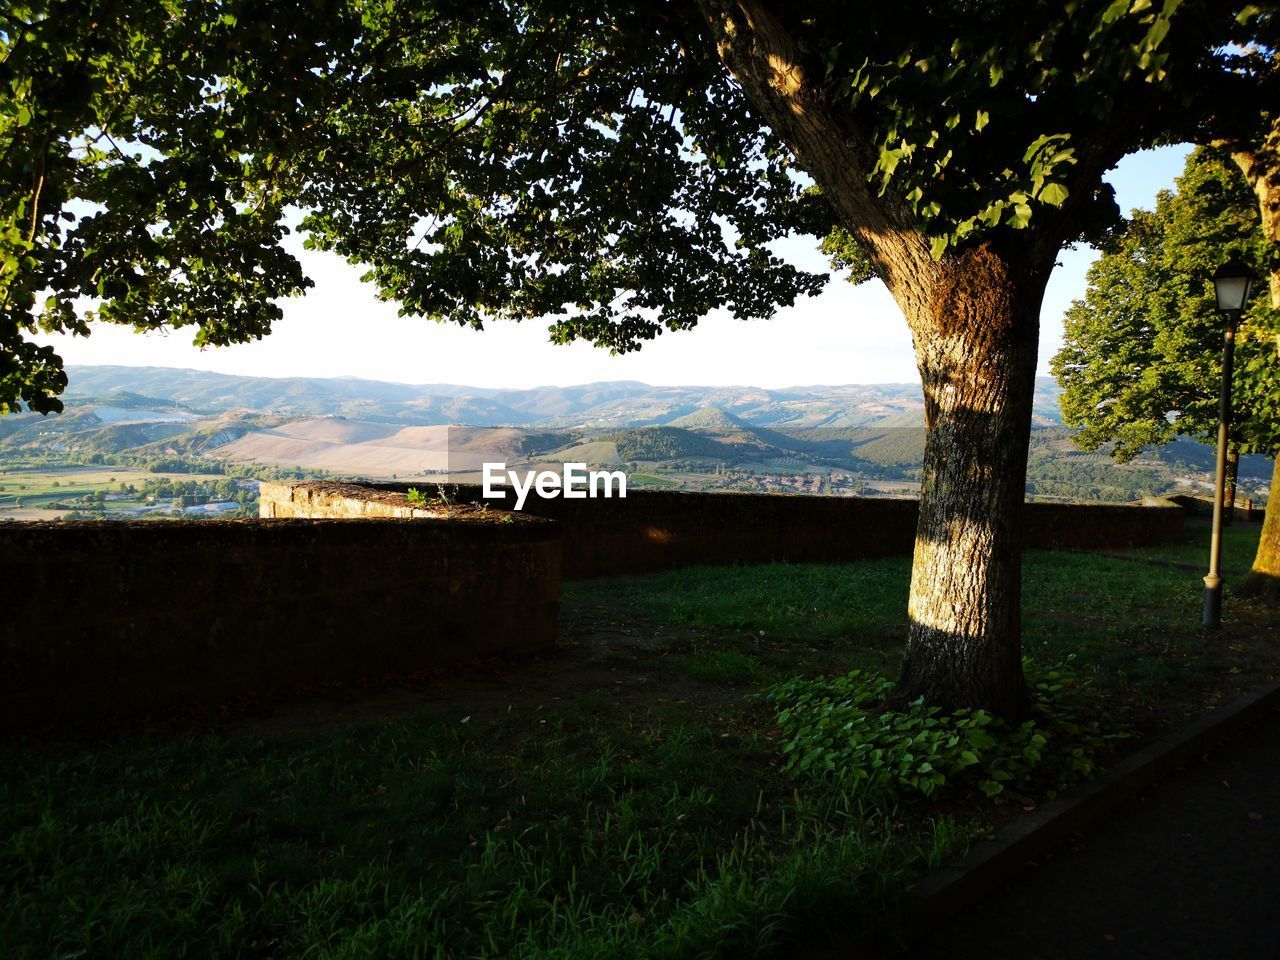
x: 1142, y: 358
x: 623, y: 169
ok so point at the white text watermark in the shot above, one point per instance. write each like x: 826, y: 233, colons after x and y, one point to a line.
x: 573, y: 482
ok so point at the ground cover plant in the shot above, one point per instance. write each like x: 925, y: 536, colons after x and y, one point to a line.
x: 637, y: 796
x: 849, y: 729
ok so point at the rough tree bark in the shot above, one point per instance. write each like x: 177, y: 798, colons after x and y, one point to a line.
x: 977, y: 367
x: 1261, y: 168
x: 974, y: 318
x: 1264, y: 578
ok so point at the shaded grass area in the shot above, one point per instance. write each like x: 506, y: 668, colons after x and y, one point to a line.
x: 1132, y: 628
x: 580, y: 824
x: 588, y: 833
x: 1239, y: 545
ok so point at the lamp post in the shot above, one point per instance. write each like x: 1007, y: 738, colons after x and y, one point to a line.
x: 1231, y: 284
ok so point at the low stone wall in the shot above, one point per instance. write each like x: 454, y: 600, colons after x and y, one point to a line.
x: 659, y: 530
x: 1102, y: 526
x: 346, y: 500
x: 113, y: 618
x: 1203, y: 507
x: 107, y: 619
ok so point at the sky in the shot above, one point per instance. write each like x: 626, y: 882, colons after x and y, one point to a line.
x: 847, y: 334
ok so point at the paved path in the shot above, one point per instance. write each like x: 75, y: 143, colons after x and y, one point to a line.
x: 1191, y: 870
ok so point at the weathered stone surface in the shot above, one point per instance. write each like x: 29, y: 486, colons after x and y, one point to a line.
x: 281, y: 500
x: 659, y: 530
x: 1203, y: 507
x: 113, y: 618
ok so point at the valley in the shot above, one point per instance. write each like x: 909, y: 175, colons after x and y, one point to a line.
x: 219, y: 433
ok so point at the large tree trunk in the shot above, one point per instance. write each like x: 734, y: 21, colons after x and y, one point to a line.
x: 1264, y: 578
x: 1261, y: 168
x: 974, y: 317
x: 978, y: 370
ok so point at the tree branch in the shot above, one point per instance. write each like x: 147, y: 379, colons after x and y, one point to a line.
x: 761, y: 54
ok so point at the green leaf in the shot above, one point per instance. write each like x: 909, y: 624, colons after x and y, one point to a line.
x: 1114, y: 12
x: 1054, y: 194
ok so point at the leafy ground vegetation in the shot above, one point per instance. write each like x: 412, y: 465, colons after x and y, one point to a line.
x: 699, y: 772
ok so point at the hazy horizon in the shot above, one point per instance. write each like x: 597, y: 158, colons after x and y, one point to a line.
x: 71, y: 367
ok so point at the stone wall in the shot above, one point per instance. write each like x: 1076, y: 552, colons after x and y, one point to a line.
x: 106, y: 619
x: 124, y: 617
x: 1203, y: 507
x: 659, y: 530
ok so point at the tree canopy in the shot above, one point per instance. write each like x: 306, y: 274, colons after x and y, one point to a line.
x: 595, y: 164
x: 1142, y: 358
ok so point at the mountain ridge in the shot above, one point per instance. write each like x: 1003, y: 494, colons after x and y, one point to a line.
x: 842, y: 439
x: 617, y: 404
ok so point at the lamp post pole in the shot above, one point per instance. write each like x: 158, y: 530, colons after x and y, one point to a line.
x: 1213, y: 580
x: 1231, y: 286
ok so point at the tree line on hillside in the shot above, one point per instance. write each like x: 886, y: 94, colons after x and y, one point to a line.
x: 668, y: 443
x: 21, y: 459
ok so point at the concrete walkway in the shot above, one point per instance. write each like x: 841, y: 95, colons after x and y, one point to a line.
x: 1190, y: 870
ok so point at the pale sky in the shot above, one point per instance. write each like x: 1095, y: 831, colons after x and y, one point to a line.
x: 845, y: 335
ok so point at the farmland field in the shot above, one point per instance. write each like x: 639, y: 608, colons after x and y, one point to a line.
x: 30, y: 493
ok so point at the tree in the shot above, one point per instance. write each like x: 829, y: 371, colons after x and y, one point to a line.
x: 1142, y: 358
x: 1260, y: 163
x: 621, y: 169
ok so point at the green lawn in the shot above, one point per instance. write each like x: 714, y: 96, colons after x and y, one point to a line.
x: 1126, y: 623
x: 632, y: 804
x: 1239, y: 544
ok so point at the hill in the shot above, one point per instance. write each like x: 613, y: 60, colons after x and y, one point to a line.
x: 726, y: 428
x: 829, y: 438
x: 591, y: 406
x: 657, y: 444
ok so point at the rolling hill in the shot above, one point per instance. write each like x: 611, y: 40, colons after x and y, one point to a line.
x: 363, y: 428
x: 591, y: 406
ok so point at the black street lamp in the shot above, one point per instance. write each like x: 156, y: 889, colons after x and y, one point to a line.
x: 1232, y: 285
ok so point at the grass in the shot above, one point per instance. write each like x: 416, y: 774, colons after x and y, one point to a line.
x: 1132, y: 626
x: 1239, y: 544
x: 650, y: 480
x: 588, y: 835
x: 646, y: 817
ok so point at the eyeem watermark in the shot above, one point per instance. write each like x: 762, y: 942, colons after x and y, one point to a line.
x: 574, y: 482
